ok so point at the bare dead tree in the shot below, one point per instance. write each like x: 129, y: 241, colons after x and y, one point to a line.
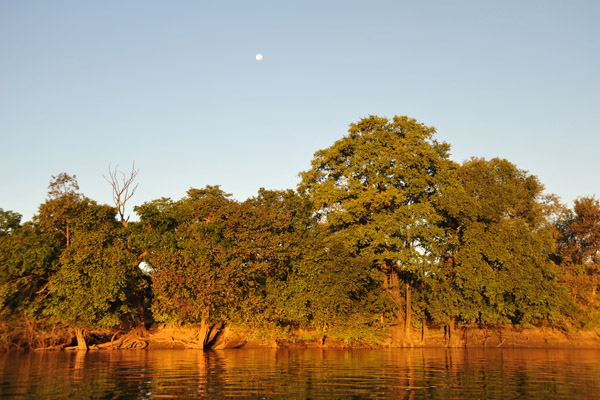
x: 123, y: 188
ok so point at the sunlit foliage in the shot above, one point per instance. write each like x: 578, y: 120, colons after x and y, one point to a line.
x: 383, y: 226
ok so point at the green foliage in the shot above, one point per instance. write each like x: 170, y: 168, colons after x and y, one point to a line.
x: 496, y: 265
x: 28, y: 258
x: 270, y: 232
x: 71, y: 264
x: 215, y: 257
x: 578, y: 255
x: 64, y: 203
x: 328, y: 285
x: 375, y: 189
x: 257, y: 264
x: 9, y: 221
x: 382, y: 220
x: 97, y: 277
x: 194, y: 277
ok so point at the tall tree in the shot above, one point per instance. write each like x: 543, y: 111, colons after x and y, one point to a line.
x: 95, y: 274
x: 195, y: 281
x: 332, y: 291
x: 375, y: 188
x: 28, y: 258
x: 269, y: 232
x: 578, y: 248
x: 97, y: 280
x: 496, y: 267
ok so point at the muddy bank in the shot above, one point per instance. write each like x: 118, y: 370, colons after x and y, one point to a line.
x: 510, y: 337
x: 225, y: 337
x: 505, y: 337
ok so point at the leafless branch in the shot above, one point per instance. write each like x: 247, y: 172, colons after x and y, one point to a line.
x: 123, y: 188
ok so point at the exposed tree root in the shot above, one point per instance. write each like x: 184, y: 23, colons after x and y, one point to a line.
x: 136, y: 339
x: 188, y: 337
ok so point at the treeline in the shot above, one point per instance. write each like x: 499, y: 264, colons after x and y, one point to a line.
x: 384, y: 236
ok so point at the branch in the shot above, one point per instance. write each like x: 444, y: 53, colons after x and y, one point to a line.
x: 122, y: 188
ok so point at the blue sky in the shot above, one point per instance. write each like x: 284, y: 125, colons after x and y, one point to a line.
x: 175, y: 87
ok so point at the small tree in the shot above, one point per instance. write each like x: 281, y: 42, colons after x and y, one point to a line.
x: 62, y: 206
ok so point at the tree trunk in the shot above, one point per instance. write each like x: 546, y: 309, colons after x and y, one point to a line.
x: 393, y: 288
x: 81, y: 344
x: 451, y: 332
x: 408, y: 312
x: 139, y: 300
x: 203, y: 335
x: 68, y: 234
x: 423, y: 329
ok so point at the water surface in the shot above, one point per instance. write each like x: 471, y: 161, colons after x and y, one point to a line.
x: 303, y: 374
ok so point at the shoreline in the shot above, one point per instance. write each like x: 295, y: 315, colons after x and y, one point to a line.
x: 504, y: 337
x: 219, y: 338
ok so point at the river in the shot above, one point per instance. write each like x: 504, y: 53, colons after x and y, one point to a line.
x: 303, y: 374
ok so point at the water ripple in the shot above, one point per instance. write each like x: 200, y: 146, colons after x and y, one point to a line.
x: 303, y: 374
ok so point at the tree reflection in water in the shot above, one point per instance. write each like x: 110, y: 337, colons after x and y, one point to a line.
x: 302, y: 374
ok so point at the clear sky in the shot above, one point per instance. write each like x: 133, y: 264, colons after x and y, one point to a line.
x: 175, y: 87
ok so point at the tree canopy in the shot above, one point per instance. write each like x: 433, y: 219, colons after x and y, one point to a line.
x: 384, y: 226
x: 375, y: 188
x: 496, y: 265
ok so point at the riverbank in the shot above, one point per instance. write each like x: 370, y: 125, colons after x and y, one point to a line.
x: 226, y: 337
x: 511, y: 337
x: 503, y: 337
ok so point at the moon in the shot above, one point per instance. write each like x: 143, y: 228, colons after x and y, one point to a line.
x: 259, y: 57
